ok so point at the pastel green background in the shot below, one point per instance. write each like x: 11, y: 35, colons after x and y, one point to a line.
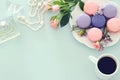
x: 47, y: 54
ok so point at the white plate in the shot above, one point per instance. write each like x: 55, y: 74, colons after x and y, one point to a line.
x: 77, y: 11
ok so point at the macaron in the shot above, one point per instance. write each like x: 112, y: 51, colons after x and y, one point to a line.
x: 98, y: 21
x: 113, y: 25
x: 110, y: 11
x: 83, y: 21
x: 91, y: 8
x: 94, y: 34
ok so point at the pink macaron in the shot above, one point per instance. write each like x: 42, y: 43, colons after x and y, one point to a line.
x: 91, y: 8
x: 113, y: 25
x: 94, y: 34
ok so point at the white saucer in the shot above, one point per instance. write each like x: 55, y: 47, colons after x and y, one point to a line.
x: 77, y: 11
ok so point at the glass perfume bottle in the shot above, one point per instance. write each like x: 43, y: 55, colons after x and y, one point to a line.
x: 8, y: 29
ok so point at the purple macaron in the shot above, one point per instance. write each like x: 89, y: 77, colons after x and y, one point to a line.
x: 110, y: 11
x: 98, y: 21
x: 83, y: 21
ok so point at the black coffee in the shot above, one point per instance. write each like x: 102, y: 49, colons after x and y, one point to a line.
x: 107, y: 65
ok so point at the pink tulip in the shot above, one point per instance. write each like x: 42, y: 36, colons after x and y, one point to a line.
x: 55, y: 8
x: 97, y: 45
x: 47, y: 6
x: 54, y: 23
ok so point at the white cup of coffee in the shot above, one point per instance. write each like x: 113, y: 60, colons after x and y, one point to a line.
x: 106, y: 66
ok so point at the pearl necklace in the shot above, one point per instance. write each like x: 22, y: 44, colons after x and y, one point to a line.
x: 37, y: 10
x: 14, y: 8
x: 32, y: 4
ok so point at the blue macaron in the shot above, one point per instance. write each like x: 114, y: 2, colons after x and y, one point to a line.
x: 98, y: 21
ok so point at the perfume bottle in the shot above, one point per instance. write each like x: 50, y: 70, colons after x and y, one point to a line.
x: 8, y: 29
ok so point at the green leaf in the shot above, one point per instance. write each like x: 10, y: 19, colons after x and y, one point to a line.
x: 57, y: 3
x: 105, y: 32
x: 53, y: 17
x: 81, y: 4
x: 82, y: 32
x: 69, y: 0
x: 64, y: 11
x: 65, y: 20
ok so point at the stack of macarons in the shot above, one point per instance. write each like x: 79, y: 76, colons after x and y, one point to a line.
x: 95, y: 18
